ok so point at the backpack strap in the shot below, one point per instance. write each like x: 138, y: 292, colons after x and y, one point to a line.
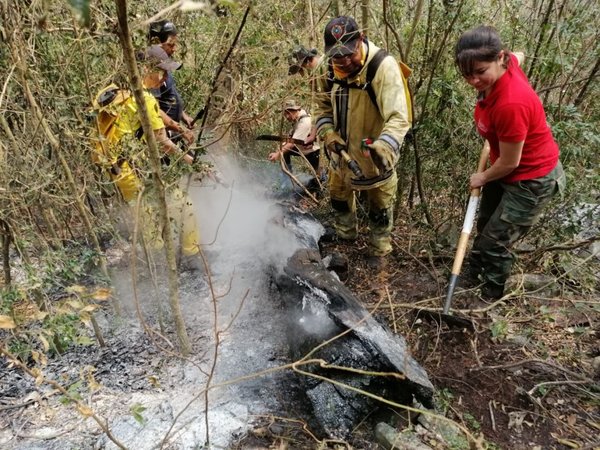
x: 371, y: 71
x: 372, y: 68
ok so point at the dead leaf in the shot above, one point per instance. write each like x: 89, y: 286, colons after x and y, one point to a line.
x: 74, y: 303
x: 572, y: 419
x: 44, y: 342
x: 6, y: 322
x: 193, y: 6
x: 102, y: 294
x: 76, y: 289
x: 88, y: 308
x: 86, y: 411
x: 38, y: 375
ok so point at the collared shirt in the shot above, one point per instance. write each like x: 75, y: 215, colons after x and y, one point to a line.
x: 302, y: 130
x: 513, y: 112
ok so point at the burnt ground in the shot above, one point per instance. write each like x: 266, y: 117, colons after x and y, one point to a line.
x: 523, y: 378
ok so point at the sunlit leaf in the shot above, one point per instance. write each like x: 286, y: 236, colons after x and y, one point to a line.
x: 86, y: 411
x: 154, y: 381
x: 102, y: 294
x: 193, y: 6
x: 136, y: 411
x: 75, y: 304
x: 84, y: 340
x: 88, y: 308
x: 40, y: 315
x: 76, y: 289
x: 7, y: 322
x: 82, y: 9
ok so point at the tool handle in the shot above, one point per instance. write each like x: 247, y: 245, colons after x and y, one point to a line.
x: 461, y: 247
x: 470, y: 214
x: 353, y: 165
x: 483, y: 159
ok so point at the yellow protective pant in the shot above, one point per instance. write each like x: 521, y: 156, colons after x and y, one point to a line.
x: 184, y: 228
x: 381, y: 209
x: 127, y: 181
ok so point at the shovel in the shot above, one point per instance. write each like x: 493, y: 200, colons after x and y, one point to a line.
x: 462, y: 244
x: 460, y: 255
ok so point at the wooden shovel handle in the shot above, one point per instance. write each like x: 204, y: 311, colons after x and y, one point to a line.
x: 483, y: 159
x: 475, y: 193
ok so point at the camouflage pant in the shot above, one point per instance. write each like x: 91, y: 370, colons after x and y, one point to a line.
x: 381, y: 210
x: 506, y: 213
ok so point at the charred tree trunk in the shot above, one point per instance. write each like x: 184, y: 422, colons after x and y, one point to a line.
x: 348, y: 349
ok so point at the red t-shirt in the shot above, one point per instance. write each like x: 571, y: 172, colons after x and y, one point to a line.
x: 513, y: 112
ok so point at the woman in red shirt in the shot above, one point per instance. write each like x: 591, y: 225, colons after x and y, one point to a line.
x: 524, y: 171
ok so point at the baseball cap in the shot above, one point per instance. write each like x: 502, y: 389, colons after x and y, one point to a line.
x: 159, y: 58
x: 341, y: 34
x: 291, y: 105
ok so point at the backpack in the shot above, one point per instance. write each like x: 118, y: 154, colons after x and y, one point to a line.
x: 372, y: 67
x: 106, y: 108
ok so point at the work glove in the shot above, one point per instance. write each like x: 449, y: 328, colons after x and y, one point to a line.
x: 383, y: 155
x: 333, y: 141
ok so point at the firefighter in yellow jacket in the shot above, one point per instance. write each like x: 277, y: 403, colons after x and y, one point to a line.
x: 119, y: 122
x: 363, y: 115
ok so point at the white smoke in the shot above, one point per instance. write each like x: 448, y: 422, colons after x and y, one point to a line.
x: 240, y: 224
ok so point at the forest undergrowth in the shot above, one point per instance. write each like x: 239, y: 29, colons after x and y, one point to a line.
x: 527, y: 377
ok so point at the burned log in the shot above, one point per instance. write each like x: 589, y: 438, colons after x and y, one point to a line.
x: 320, y: 308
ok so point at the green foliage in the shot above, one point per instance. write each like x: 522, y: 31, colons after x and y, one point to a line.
x: 82, y: 9
x: 20, y: 347
x: 8, y: 298
x: 499, y: 329
x: 74, y: 393
x: 136, y: 411
x: 471, y: 422
x: 443, y: 400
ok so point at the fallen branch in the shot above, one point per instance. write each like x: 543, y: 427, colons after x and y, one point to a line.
x: 81, y: 407
x: 556, y: 383
x: 535, y: 361
x: 571, y: 245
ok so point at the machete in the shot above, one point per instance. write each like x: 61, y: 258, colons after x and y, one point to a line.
x: 270, y: 137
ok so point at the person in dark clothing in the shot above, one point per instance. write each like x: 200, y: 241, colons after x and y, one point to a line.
x: 163, y: 36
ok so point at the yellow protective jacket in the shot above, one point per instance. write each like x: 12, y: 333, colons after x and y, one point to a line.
x: 116, y: 120
x: 355, y: 117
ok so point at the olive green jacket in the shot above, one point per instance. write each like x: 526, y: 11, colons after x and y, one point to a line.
x: 388, y: 121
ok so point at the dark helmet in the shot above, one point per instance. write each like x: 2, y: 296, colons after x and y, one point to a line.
x: 161, y: 30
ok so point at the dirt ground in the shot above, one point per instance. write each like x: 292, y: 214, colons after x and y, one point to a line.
x: 523, y: 377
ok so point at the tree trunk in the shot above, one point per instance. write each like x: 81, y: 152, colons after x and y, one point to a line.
x: 590, y: 78
x: 6, y: 239
x: 540, y: 39
x: 364, y: 10
x: 138, y: 92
